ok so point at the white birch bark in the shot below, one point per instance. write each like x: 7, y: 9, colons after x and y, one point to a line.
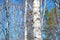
x: 25, y: 20
x: 36, y: 20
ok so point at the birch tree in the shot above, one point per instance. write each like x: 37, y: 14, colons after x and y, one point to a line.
x: 7, y: 22
x: 37, y: 20
x: 25, y: 20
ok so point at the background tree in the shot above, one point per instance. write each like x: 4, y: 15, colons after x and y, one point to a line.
x: 7, y: 21
x: 51, y: 23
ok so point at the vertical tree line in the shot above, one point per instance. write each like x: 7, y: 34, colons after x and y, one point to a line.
x: 7, y: 21
x: 25, y: 20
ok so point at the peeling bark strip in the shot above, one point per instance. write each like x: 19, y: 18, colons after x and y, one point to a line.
x: 36, y: 20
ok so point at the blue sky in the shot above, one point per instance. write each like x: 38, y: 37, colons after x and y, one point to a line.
x: 50, y: 4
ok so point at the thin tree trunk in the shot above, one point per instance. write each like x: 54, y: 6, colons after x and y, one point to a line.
x: 25, y: 20
x: 7, y: 22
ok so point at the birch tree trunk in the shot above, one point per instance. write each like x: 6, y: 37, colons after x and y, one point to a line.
x: 7, y: 22
x: 25, y: 20
x: 36, y: 20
